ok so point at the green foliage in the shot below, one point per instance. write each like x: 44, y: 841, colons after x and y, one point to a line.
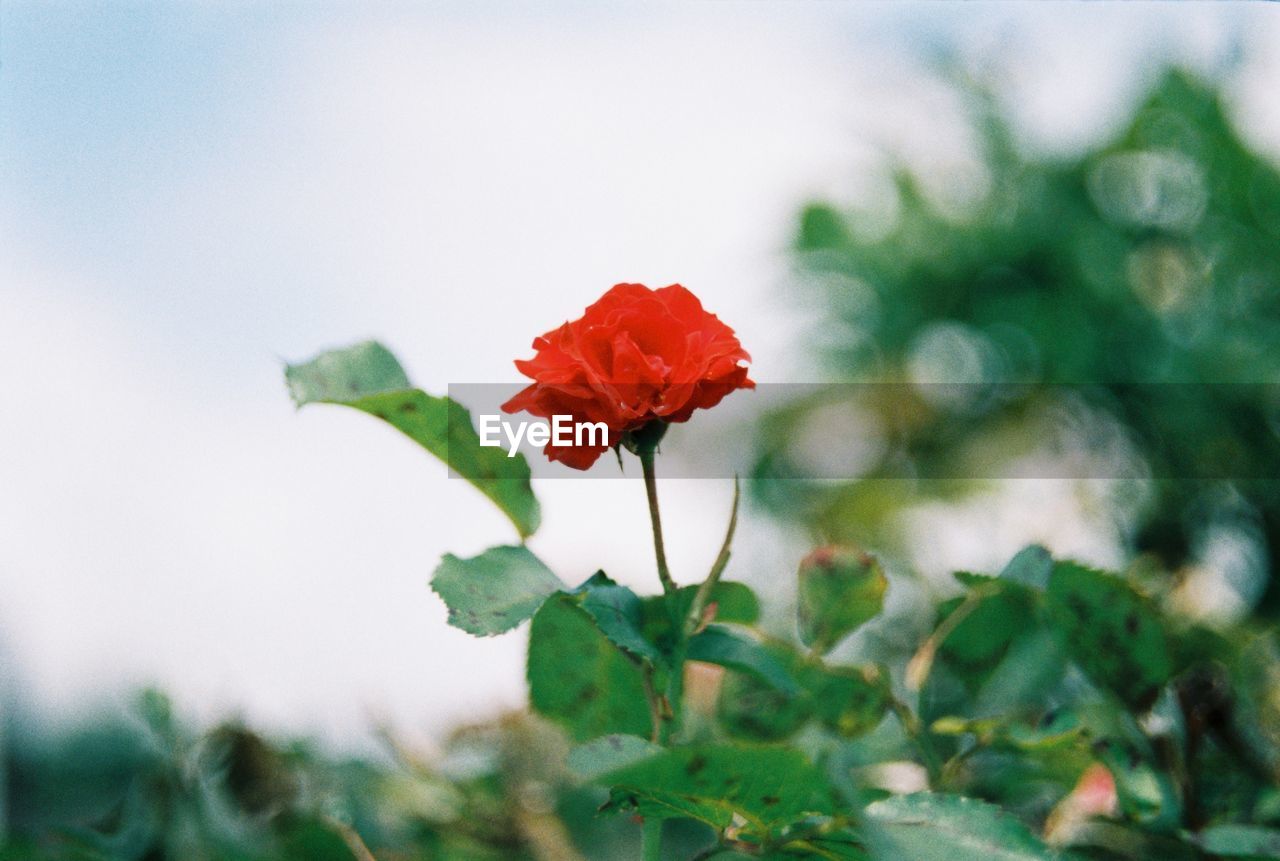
x: 720, y: 645
x: 1240, y: 841
x: 607, y: 753
x: 607, y: 676
x: 618, y: 613
x: 1139, y: 274
x: 750, y: 707
x: 368, y: 378
x: 983, y: 627
x: 928, y: 827
x: 847, y: 701
x: 145, y: 786
x: 767, y: 786
x: 495, y: 591
x: 1112, y: 633
x: 579, y: 678
x: 734, y: 602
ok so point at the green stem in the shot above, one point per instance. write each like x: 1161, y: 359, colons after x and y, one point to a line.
x: 651, y: 489
x: 675, y: 693
x: 921, y: 663
x: 656, y: 716
x: 703, y: 595
x: 920, y: 737
x: 651, y: 840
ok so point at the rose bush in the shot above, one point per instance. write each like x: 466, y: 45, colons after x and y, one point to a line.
x: 1047, y: 712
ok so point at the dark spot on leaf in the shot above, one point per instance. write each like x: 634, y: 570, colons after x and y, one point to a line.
x: 697, y: 764
x: 769, y: 800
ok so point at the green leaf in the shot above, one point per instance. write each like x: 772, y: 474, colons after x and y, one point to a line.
x: 1112, y: 633
x: 751, y: 708
x: 839, y: 590
x: 719, y: 645
x: 1031, y: 567
x: 1240, y: 841
x: 765, y: 785
x: 1031, y: 667
x: 578, y: 678
x: 838, y: 845
x: 495, y: 591
x: 929, y: 827
x: 609, y: 753
x: 617, y: 612
x: 849, y: 701
x: 368, y: 377
x: 834, y: 845
x: 998, y: 612
x: 734, y: 602
x: 1144, y: 790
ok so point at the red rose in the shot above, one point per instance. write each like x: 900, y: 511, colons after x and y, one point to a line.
x: 635, y: 356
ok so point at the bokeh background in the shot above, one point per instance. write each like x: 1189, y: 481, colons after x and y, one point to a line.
x: 193, y: 194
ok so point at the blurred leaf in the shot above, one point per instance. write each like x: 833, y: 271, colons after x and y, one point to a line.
x: 256, y: 775
x: 578, y: 678
x: 719, y: 645
x: 1106, y: 840
x: 1240, y: 841
x: 929, y: 827
x: 609, y: 753
x: 1032, y: 667
x: 495, y: 591
x: 766, y: 785
x: 369, y: 378
x: 1145, y: 792
x: 839, y: 589
x: 849, y: 701
x: 1254, y: 732
x: 832, y: 846
x: 1030, y: 567
x: 751, y: 708
x: 994, y: 614
x: 1111, y: 632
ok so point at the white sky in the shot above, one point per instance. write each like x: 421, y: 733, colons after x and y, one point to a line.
x: 190, y: 193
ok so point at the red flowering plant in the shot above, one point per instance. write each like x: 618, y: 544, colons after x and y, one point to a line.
x: 680, y: 707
